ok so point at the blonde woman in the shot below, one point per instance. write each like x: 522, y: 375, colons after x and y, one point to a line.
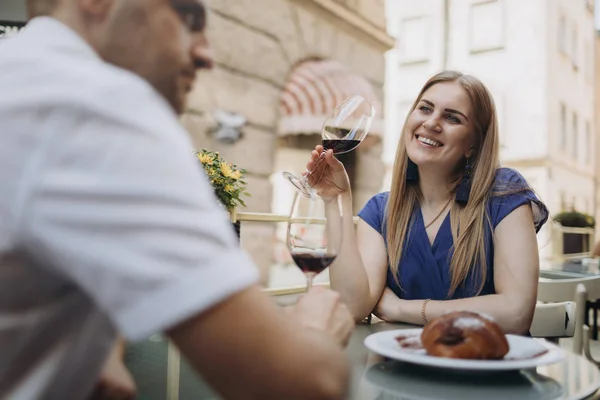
x: 455, y: 232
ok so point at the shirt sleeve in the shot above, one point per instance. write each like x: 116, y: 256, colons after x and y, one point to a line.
x: 510, y: 192
x: 373, y: 213
x: 119, y: 206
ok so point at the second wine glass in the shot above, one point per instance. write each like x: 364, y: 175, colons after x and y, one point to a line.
x: 314, y: 234
x: 343, y: 131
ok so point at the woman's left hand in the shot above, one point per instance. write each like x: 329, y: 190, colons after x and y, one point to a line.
x: 388, y: 306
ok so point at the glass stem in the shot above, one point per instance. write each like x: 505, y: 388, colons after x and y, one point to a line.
x: 309, y: 281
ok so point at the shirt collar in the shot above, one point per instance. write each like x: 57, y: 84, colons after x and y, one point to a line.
x: 51, y: 33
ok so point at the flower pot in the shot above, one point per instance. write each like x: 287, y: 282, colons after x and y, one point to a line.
x: 236, y: 228
x: 236, y: 224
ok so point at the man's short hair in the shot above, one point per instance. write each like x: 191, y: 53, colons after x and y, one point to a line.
x: 38, y: 8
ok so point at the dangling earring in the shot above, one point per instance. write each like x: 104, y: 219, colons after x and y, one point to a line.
x: 464, y: 187
x: 412, y: 171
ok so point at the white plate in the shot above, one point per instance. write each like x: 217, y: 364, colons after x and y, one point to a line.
x: 385, y: 344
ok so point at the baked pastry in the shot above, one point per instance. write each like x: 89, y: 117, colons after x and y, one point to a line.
x: 466, y: 335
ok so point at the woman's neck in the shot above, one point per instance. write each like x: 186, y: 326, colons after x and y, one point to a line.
x: 435, y: 187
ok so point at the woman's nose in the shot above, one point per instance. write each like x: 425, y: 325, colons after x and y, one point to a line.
x: 432, y: 124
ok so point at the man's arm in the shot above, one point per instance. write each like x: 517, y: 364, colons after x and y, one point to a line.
x: 136, y: 227
x: 247, y: 349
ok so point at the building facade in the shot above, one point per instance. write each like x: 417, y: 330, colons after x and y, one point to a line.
x: 12, y: 17
x: 537, y: 59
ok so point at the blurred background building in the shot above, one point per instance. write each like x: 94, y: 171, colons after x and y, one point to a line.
x: 537, y: 57
x: 12, y: 17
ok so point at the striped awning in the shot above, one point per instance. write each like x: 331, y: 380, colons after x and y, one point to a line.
x: 316, y: 87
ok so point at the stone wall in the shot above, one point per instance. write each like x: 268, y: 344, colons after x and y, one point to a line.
x: 256, y: 42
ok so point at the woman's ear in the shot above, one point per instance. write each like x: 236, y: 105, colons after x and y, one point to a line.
x: 469, y: 153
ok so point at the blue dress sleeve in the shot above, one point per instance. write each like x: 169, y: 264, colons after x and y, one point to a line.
x: 373, y: 213
x: 510, y: 192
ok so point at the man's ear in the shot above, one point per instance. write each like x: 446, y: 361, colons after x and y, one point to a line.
x: 38, y: 8
x: 96, y: 9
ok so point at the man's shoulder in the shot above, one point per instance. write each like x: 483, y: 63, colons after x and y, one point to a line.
x: 70, y: 81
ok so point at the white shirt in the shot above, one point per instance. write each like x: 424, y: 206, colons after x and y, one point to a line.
x: 107, y: 222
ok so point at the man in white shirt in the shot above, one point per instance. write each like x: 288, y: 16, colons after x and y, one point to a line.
x: 107, y: 224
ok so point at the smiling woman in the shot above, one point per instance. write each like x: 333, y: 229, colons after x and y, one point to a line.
x: 455, y: 231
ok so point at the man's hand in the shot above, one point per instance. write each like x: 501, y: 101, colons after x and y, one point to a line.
x: 115, y: 381
x: 322, y: 310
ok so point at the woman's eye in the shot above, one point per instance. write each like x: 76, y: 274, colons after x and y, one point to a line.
x: 425, y: 109
x: 453, y: 119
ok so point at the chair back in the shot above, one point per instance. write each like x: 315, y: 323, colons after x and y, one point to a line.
x: 554, y: 320
x: 561, y: 309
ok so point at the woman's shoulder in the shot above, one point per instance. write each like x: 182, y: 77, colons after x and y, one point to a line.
x: 381, y: 197
x: 373, y: 211
x: 509, y: 177
x: 377, y: 202
x: 510, y: 191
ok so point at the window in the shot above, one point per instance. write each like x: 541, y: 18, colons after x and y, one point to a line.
x: 486, y: 26
x: 575, y: 144
x: 574, y: 47
x: 562, y: 35
x: 589, y: 146
x: 588, y: 52
x: 415, y: 39
x: 563, y: 126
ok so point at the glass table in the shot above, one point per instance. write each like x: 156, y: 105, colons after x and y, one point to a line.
x: 570, y: 268
x: 375, y: 378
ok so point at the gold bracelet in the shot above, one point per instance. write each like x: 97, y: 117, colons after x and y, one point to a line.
x: 423, y: 312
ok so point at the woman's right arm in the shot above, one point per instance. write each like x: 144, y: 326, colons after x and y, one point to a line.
x: 359, y: 271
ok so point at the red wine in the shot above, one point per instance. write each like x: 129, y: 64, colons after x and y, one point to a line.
x: 340, y: 146
x: 311, y: 262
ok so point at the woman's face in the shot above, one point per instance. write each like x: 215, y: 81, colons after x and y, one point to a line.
x: 440, y: 131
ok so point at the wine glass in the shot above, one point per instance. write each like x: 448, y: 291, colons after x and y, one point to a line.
x: 343, y: 131
x: 314, y: 234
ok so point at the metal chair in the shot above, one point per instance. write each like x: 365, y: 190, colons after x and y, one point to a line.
x: 562, y: 310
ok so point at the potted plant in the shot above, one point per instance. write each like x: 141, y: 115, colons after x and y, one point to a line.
x: 228, y: 182
x: 578, y: 241
x: 575, y: 219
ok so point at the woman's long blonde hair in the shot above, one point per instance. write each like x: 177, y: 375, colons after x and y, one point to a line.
x: 468, y: 221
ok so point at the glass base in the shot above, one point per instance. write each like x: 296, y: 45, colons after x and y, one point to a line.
x: 301, y: 185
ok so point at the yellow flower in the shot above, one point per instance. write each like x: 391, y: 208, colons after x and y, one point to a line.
x: 205, y: 158
x: 229, y: 188
x: 226, y: 170
x: 237, y: 175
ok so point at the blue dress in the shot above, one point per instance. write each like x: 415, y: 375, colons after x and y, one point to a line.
x: 424, y: 270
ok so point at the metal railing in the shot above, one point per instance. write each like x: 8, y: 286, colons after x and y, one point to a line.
x: 274, y: 218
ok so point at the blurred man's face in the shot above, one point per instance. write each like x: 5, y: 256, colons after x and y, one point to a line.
x: 163, y: 41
